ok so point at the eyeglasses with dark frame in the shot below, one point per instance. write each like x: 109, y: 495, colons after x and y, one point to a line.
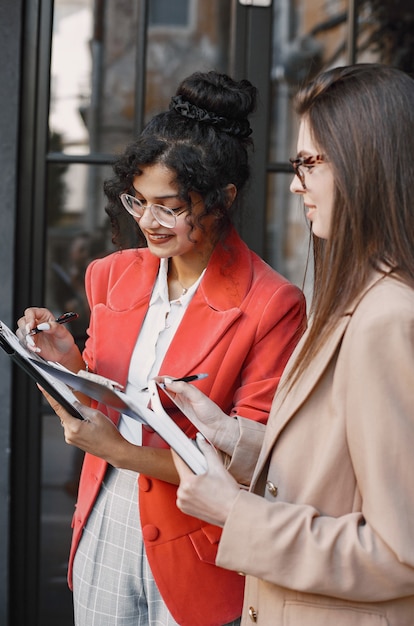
x: 307, y: 162
x: 164, y: 215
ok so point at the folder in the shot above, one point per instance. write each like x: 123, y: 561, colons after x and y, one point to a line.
x: 60, y: 383
x: 29, y: 362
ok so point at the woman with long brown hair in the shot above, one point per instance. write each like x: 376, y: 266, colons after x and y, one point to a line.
x: 325, y: 532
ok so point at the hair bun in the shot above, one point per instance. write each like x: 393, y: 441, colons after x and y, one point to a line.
x: 216, y: 99
x: 238, y: 128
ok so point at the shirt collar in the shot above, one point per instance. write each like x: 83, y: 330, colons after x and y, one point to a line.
x: 161, y: 286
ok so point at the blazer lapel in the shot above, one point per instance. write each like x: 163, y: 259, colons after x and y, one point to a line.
x: 119, y: 320
x: 201, y: 328
x: 214, y: 308
x: 286, y: 404
x: 134, y: 286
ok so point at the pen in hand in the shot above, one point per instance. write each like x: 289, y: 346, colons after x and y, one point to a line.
x: 184, y: 379
x: 62, y: 319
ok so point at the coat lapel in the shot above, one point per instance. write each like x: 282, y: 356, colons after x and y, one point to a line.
x: 285, y: 405
x: 133, y: 287
x: 214, y: 307
x: 212, y: 311
x: 118, y: 321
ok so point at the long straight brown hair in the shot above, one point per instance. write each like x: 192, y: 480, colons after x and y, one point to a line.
x: 362, y: 118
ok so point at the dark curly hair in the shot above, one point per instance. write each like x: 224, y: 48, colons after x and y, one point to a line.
x: 203, y: 139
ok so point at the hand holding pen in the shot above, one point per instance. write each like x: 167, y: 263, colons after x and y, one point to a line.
x: 29, y: 335
x: 62, y: 319
x: 185, y: 379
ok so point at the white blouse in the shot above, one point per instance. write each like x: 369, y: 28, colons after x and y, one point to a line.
x: 160, y: 324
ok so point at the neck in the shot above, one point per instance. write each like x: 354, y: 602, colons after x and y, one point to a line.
x: 181, y: 276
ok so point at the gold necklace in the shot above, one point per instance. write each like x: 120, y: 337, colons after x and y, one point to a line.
x: 184, y: 289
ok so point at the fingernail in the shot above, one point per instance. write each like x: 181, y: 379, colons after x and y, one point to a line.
x: 29, y: 341
x: 200, y: 437
x: 43, y: 326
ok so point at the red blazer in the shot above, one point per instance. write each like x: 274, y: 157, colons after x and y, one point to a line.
x: 241, y: 327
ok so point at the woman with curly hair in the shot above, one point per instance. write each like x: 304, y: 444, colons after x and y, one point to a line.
x: 195, y: 299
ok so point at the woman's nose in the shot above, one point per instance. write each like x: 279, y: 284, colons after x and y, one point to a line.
x: 148, y: 220
x: 296, y: 185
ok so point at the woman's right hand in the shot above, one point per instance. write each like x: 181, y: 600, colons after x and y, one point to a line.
x: 209, y: 496
x: 216, y: 426
x: 56, y: 344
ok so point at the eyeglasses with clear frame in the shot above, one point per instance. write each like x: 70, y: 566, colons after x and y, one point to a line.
x: 305, y: 162
x: 165, y: 216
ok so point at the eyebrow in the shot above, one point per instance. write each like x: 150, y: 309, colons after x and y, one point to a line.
x: 166, y: 197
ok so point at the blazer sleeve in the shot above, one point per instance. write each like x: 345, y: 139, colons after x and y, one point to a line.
x: 282, y: 323
x: 247, y: 447
x: 277, y: 330
x: 91, y: 285
x: 368, y: 554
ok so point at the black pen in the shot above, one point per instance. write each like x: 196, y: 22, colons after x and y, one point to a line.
x: 184, y: 379
x: 62, y: 319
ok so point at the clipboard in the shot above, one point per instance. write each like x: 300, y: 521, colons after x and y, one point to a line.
x: 109, y: 393
x: 30, y: 362
x: 60, y: 383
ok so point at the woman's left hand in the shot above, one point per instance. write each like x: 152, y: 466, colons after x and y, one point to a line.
x: 208, y: 496
x: 95, y: 434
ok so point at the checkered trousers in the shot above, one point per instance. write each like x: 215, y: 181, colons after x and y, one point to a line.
x: 112, y: 581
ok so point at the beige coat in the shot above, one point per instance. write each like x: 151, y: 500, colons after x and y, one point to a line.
x: 327, y: 537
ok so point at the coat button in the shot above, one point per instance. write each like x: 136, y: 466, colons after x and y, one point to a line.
x: 144, y: 483
x: 150, y: 532
x: 253, y: 614
x: 271, y: 487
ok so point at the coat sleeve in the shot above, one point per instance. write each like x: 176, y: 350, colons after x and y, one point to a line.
x: 281, y: 323
x: 366, y: 554
x: 90, y: 286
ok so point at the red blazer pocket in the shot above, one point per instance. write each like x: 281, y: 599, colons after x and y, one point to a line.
x: 205, y: 542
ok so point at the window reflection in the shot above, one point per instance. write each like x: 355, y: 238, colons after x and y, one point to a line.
x: 78, y: 232
x: 70, y: 73
x: 307, y: 38
x: 166, y: 13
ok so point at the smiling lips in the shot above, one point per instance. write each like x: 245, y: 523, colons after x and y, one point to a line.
x: 158, y: 238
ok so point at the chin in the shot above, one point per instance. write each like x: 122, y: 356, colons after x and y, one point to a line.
x: 318, y: 231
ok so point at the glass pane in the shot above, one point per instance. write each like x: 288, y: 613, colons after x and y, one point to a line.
x: 78, y: 231
x: 166, y: 13
x: 70, y: 75
x: 386, y: 33
x: 307, y: 37
x: 60, y: 473
x: 97, y: 64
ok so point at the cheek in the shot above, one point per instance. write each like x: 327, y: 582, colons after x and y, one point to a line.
x: 187, y: 231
